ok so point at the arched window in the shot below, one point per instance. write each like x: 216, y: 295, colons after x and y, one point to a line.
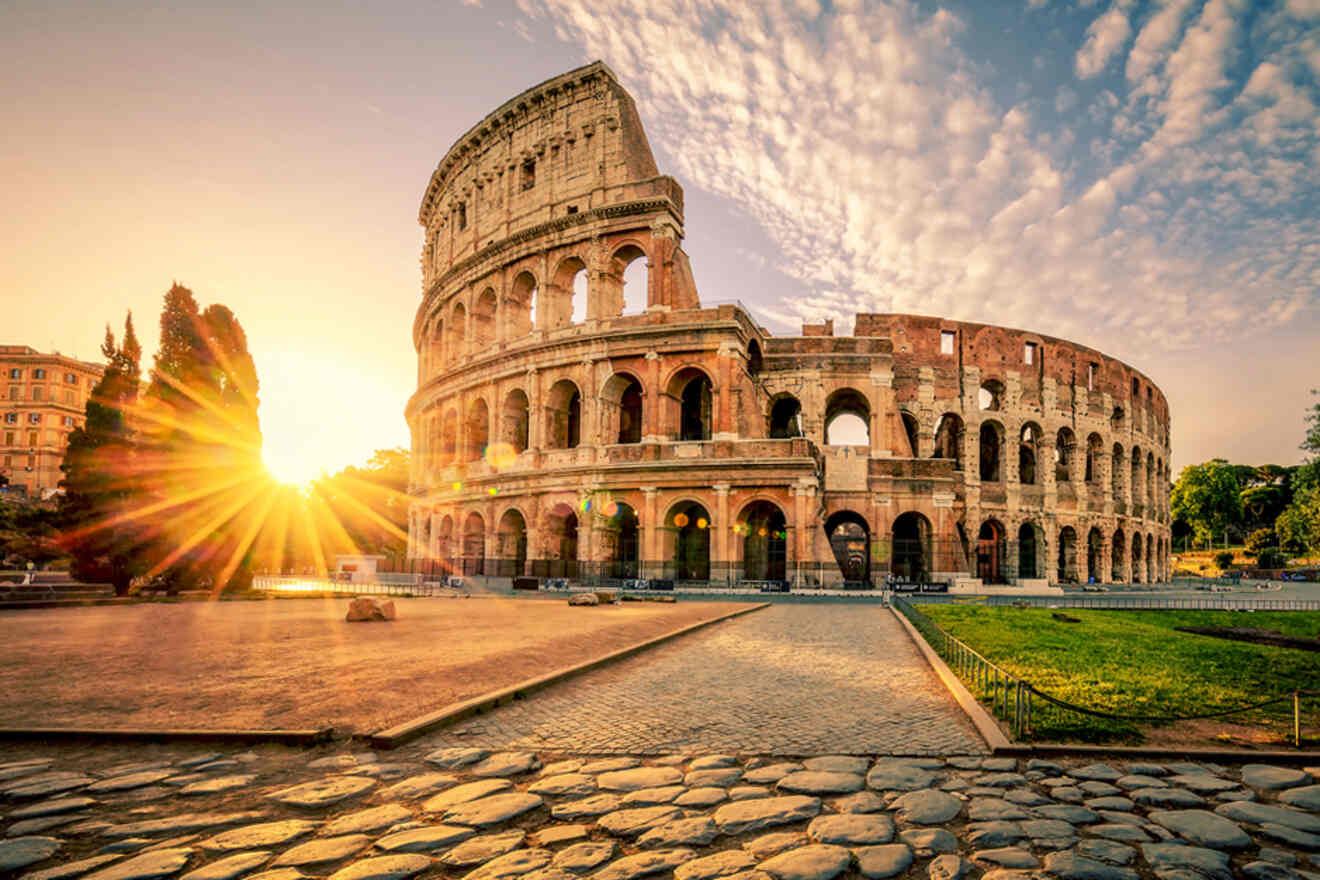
x: 911, y: 547
x: 1116, y: 556
x: 1136, y: 559
x: 754, y: 363
x: 911, y: 430
x: 512, y: 551
x: 785, y: 418
x: 948, y: 439
x: 567, y: 301
x: 1095, y: 450
x: 991, y: 395
x: 1095, y: 543
x: 850, y: 539
x: 847, y: 419
x: 520, y: 319
x: 483, y: 321
x: 765, y: 542
x: 457, y: 331
x: 478, y: 429
x: 629, y: 267
x: 474, y: 544
x: 620, y: 536
x: 563, y: 416
x: 1028, y: 446
x: 1064, y: 446
x: 1116, y: 472
x: 991, y: 443
x: 622, y: 397
x: 449, y: 438
x: 990, y: 552
x: 514, y: 422
x: 436, y: 346
x: 1067, y: 555
x: 688, y: 530
x: 1028, y: 547
x: 691, y: 388
x: 562, y: 541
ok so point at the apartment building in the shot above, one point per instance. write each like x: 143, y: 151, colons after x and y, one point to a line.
x: 43, y: 397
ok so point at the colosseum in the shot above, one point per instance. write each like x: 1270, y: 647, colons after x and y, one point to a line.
x: 580, y: 414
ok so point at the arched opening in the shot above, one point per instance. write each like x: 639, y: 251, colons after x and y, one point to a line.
x: 1136, y: 390
x: 691, y: 389
x: 474, y: 544
x: 1116, y: 472
x: 620, y: 538
x: 785, y: 418
x: 422, y: 537
x: 630, y: 267
x: 850, y: 539
x: 991, y: 441
x: 515, y: 421
x: 1116, y: 419
x: 561, y: 542
x: 1150, y: 559
x: 1117, y: 553
x: 1028, y: 547
x: 949, y: 439
x: 520, y: 318
x: 1150, y: 487
x: 1067, y: 555
x: 765, y: 542
x: 512, y: 550
x: 578, y: 304
x: 565, y: 299
x: 1028, y: 448
x: 436, y: 346
x: 483, y: 321
x: 457, y: 332
x: 1135, y: 483
x: 563, y: 428
x: 1064, y: 445
x: 622, y: 397
x: 847, y: 419
x: 990, y: 553
x: 1136, y: 559
x: 1095, y: 449
x: 478, y: 429
x: 991, y: 395
x: 688, y: 526
x: 754, y: 362
x: 911, y: 550
x: 911, y: 429
x: 443, y: 540
x: 449, y: 438
x: 1095, y: 548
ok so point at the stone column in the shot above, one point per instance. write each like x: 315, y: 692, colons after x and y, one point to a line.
x: 724, y: 429
x: 652, y: 401
x: 1106, y: 557
x: 534, y: 410
x: 722, y: 562
x: 650, y: 566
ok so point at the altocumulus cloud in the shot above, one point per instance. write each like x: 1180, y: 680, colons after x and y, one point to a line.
x: 1166, y: 199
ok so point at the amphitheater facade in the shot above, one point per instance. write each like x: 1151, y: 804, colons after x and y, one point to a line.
x: 579, y: 413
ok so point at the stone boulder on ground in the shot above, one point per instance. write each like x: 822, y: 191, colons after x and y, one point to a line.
x: 584, y: 599
x: 367, y: 609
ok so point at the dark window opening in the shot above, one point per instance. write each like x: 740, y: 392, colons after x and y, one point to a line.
x: 528, y: 178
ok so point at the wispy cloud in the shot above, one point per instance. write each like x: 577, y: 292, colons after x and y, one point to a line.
x: 867, y: 142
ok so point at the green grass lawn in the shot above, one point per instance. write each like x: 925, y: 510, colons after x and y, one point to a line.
x: 1135, y: 663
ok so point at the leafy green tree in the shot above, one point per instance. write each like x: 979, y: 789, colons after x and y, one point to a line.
x: 1298, y: 526
x: 100, y: 485
x: 1207, y: 498
x: 1224, y: 559
x: 1308, y: 474
x: 371, y: 503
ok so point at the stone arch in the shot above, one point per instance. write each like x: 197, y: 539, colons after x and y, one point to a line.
x: 474, y: 544
x: 1150, y: 487
x: 1067, y: 573
x: 689, y: 393
x: 991, y: 552
x: 1137, y: 559
x: 785, y: 417
x: 764, y: 530
x: 563, y: 416
x: 911, y: 542
x: 629, y: 281
x: 1117, y: 553
x: 1116, y: 471
x: 847, y: 418
x: 449, y: 437
x: 1031, y: 545
x: 1150, y: 559
x: 483, y: 320
x: 477, y: 433
x: 911, y: 430
x: 457, y: 331
x: 850, y: 539
x: 422, y: 536
x: 620, y: 535
x: 687, y: 530
x: 1065, y: 446
x: 1095, y: 550
x: 565, y: 300
x: 991, y: 452
x: 561, y: 541
x: 435, y: 344
x: 949, y: 439
x: 511, y: 554
x: 443, y: 537
x: 520, y: 316
x: 622, y: 397
x: 1116, y: 419
x: 1135, y: 483
x: 1095, y: 449
x: 754, y: 359
x: 1029, y: 453
x: 514, y: 420
x: 990, y: 396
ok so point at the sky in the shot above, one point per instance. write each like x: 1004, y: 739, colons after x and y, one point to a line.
x: 1141, y: 177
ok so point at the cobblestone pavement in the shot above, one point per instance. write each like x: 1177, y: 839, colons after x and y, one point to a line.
x: 785, y: 680
x: 285, y: 814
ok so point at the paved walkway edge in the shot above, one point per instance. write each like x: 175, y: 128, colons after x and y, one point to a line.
x: 399, y: 734
x: 285, y: 737
x: 982, y: 720
x: 1244, y: 756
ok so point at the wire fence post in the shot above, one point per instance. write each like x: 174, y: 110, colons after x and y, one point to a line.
x: 1297, y: 720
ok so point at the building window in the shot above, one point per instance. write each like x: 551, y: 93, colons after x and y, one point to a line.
x: 11, y: 418
x: 1090, y: 376
x: 71, y: 378
x: 9, y: 461
x: 9, y: 438
x: 38, y: 373
x: 36, y: 392
x: 946, y: 341
x: 32, y: 461
x: 14, y: 392
x: 34, y: 418
x: 15, y: 373
x: 1029, y: 353
x: 462, y: 216
x: 32, y: 438
x: 68, y: 421
x: 528, y: 178
x: 70, y: 397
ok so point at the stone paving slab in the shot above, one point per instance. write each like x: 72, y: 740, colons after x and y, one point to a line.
x: 787, y: 680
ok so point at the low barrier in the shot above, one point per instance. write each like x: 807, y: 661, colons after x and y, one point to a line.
x: 1152, y: 603
x: 1014, y: 700
x: 316, y: 584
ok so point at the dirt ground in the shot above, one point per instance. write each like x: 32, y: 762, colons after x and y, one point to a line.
x: 296, y: 663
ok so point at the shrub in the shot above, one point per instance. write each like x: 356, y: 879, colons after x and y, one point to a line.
x: 1224, y: 559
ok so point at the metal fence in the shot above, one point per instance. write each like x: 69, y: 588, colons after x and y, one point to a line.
x: 1118, y: 603
x: 1016, y: 701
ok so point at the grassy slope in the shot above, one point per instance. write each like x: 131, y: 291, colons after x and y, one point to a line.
x: 1133, y: 662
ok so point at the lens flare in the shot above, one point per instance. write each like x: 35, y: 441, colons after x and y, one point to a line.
x: 501, y: 456
x: 701, y: 522
x: 681, y: 520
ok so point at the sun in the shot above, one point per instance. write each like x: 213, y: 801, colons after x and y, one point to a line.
x: 292, y: 467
